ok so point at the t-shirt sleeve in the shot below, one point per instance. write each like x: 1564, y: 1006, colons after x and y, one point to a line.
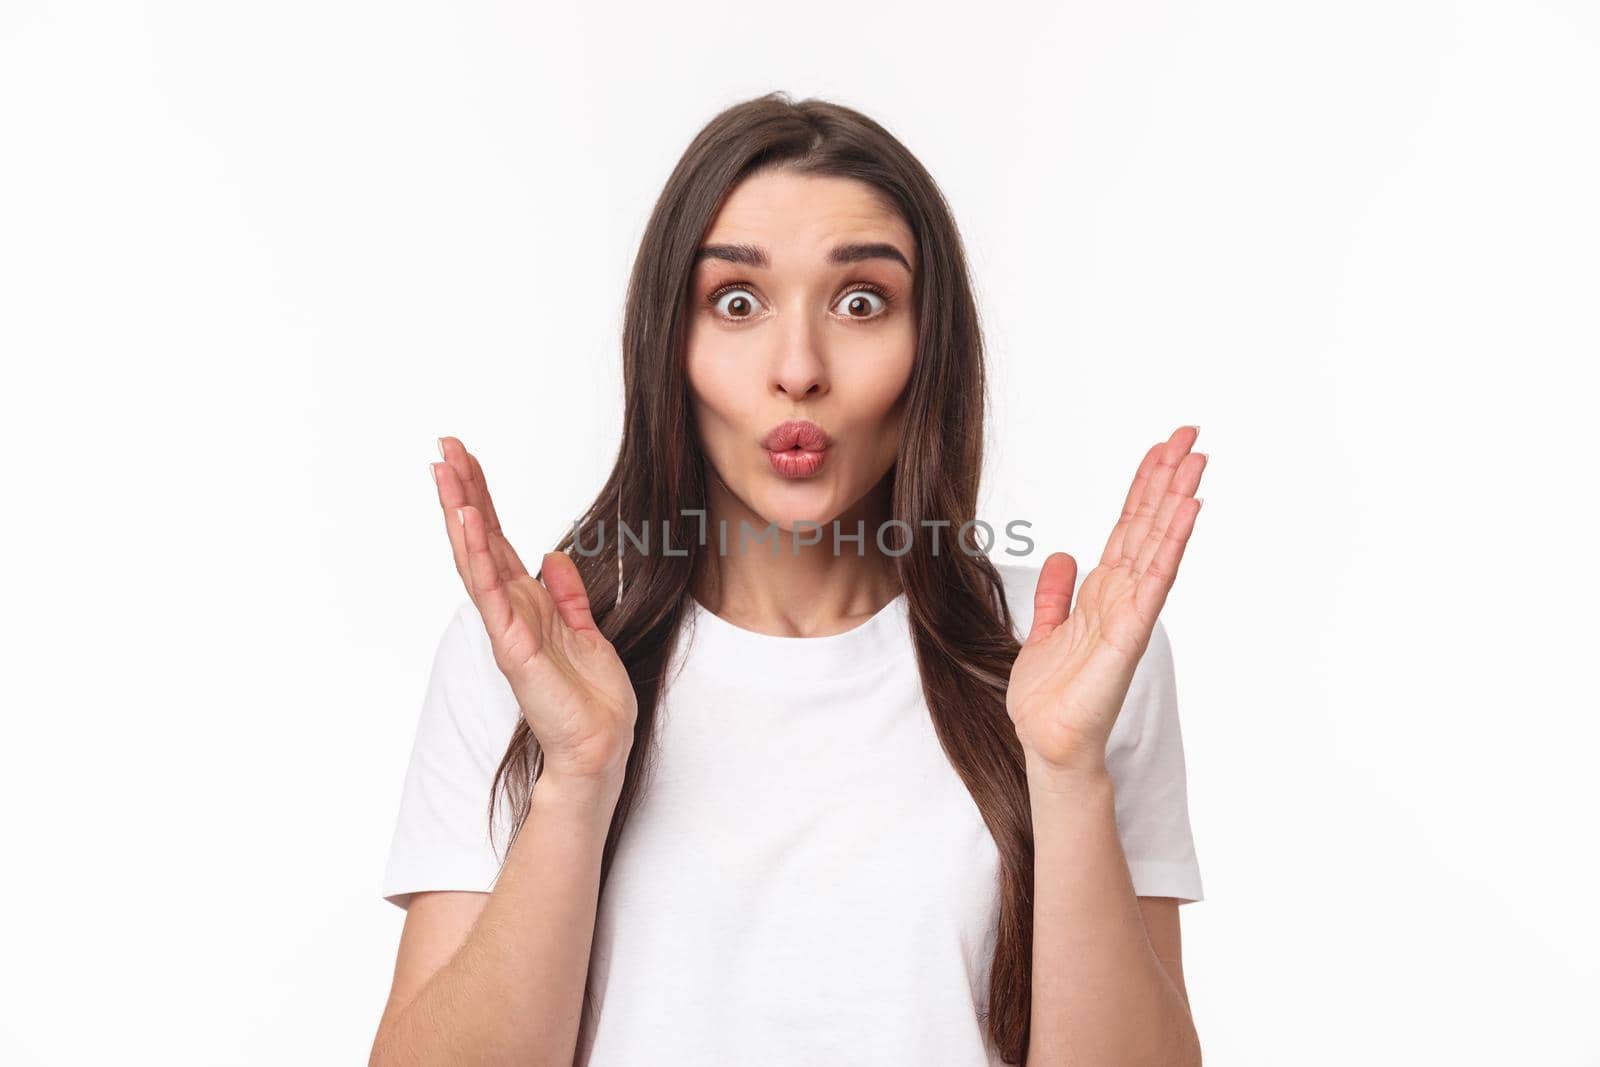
x: 1146, y: 761
x: 441, y: 837
x: 1145, y: 758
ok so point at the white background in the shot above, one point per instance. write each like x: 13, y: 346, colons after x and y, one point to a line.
x: 254, y: 258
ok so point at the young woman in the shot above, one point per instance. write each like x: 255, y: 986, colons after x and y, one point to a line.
x: 855, y: 794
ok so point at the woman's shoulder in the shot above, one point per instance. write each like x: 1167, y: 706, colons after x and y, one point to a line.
x: 464, y: 662
x: 465, y: 642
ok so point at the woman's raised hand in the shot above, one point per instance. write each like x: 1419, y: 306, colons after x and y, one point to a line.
x: 1077, y: 663
x: 572, y: 687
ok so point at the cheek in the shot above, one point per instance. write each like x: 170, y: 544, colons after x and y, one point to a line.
x: 873, y: 386
x: 721, y: 389
x: 883, y: 382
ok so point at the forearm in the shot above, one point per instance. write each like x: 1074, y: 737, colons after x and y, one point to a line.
x: 512, y: 993
x: 1100, y: 995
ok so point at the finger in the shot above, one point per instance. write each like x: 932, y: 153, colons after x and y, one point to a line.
x: 478, y: 492
x: 510, y: 562
x: 478, y: 485
x: 1151, y: 593
x: 1155, y: 488
x: 453, y: 452
x: 475, y: 493
x: 452, y: 526
x: 1052, y: 597
x: 1130, y: 505
x: 483, y: 577
x: 456, y: 494
x: 560, y: 576
x: 1184, y: 483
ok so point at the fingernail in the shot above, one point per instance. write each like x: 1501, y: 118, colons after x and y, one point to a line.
x: 1199, y: 500
x: 1195, y: 426
x: 461, y: 517
x: 433, y: 475
x: 440, y: 442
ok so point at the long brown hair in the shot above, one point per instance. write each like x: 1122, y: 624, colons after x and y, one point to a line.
x: 959, y: 618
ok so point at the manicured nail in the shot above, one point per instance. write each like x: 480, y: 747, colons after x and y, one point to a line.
x: 461, y: 517
x: 440, y: 442
x: 433, y: 475
x: 1195, y: 426
x: 1198, y: 501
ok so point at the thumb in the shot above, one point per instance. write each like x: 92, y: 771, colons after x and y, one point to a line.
x: 560, y: 576
x: 1052, y: 598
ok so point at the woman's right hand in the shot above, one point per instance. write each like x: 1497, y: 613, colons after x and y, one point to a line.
x: 569, y: 682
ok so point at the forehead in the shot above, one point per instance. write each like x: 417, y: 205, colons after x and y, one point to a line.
x: 797, y: 218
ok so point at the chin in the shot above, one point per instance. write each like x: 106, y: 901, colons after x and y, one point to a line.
x: 791, y: 503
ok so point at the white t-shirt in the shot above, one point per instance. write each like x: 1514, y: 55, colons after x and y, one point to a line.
x: 806, y: 879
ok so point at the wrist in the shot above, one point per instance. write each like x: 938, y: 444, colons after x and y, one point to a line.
x: 1085, y: 776
x: 586, y: 798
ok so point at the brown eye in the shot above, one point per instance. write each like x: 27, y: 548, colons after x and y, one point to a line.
x: 862, y: 304
x: 734, y: 303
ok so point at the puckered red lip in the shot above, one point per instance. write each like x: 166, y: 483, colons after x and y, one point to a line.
x: 795, y: 433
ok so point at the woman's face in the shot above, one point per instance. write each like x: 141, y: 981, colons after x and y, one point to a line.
x: 800, y: 309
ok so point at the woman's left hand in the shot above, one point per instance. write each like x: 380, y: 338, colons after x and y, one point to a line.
x: 1069, y: 681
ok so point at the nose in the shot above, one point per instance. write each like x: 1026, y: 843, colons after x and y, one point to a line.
x: 799, y: 369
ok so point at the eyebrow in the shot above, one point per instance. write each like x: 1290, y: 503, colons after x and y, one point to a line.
x: 854, y: 252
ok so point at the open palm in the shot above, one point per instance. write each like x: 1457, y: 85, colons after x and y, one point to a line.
x: 1069, y: 681
x: 572, y: 687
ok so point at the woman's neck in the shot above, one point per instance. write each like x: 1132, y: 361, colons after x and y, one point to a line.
x: 794, y: 579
